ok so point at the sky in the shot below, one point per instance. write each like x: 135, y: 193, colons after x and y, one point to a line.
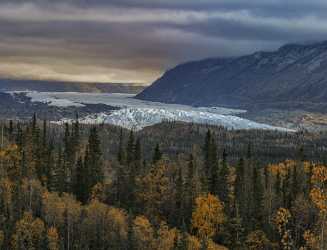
x: 136, y: 41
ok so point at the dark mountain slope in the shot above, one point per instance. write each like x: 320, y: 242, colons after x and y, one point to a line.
x: 293, y: 76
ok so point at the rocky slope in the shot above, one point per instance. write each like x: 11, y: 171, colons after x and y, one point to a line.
x: 295, y: 76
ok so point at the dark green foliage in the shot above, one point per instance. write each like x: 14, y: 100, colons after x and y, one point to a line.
x: 258, y: 198
x: 223, y: 180
x: 94, y: 162
x: 157, y: 155
x: 70, y: 159
x: 81, y: 182
x: 121, y: 151
x: 130, y: 148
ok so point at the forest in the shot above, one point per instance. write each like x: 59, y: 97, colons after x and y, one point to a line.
x: 172, y: 186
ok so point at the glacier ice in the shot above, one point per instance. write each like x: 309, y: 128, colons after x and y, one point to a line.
x: 137, y: 114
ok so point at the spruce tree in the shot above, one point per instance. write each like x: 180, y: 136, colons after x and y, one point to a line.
x: 157, y: 155
x: 239, y: 181
x: 94, y: 161
x: 121, y: 152
x: 130, y: 148
x: 258, y: 197
x: 57, y: 174
x: 67, y: 159
x: 190, y: 190
x: 213, y: 167
x: 138, y: 155
x: 223, y: 180
x: 207, y: 152
x: 179, y: 198
x: 81, y: 185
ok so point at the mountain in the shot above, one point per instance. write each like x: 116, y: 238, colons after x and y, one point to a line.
x: 294, y: 76
x: 53, y: 86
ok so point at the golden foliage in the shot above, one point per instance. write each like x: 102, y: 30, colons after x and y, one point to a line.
x: 319, y: 174
x: 97, y: 192
x: 319, y: 198
x: 156, y: 191
x: 281, y: 219
x: 193, y: 243
x: 53, y: 239
x: 318, y: 193
x: 166, y: 237
x: 143, y: 233
x: 117, y: 223
x: 7, y: 189
x: 257, y: 240
x: 312, y: 242
x: 28, y: 233
x: 207, y: 216
x: 282, y: 168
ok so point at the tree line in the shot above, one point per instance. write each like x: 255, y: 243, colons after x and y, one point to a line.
x: 59, y: 191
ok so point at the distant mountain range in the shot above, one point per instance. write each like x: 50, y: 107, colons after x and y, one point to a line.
x: 53, y: 86
x: 294, y: 76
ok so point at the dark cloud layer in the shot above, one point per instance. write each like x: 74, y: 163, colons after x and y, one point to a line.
x: 135, y: 41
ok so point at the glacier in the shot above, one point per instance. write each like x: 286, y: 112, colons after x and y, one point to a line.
x: 137, y: 114
x: 139, y: 118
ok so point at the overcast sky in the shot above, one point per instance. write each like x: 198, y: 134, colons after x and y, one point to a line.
x: 137, y: 40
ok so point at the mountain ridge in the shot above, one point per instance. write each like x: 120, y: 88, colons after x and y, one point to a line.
x: 294, y: 76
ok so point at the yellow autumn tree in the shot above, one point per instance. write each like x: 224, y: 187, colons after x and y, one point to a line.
x: 207, y: 216
x: 117, y: 227
x: 166, y: 237
x: 28, y: 233
x: 7, y: 188
x: 281, y: 220
x: 257, y: 240
x: 311, y: 240
x: 31, y: 194
x: 53, y: 239
x: 318, y: 196
x: 156, y: 191
x: 10, y: 161
x: 193, y: 243
x: 143, y: 233
x: 63, y: 213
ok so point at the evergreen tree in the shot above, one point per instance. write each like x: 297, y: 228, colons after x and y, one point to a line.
x: 94, y: 162
x: 57, y: 175
x: 121, y: 152
x: 81, y: 183
x: 286, y: 194
x: 179, y: 198
x: 138, y: 155
x: 68, y: 159
x: 130, y: 148
x: 11, y: 131
x: 295, y: 184
x: 157, y: 155
x: 190, y: 190
x: 213, y: 166
x: 258, y: 197
x: 239, y: 181
x: 223, y: 180
x: 207, y: 152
